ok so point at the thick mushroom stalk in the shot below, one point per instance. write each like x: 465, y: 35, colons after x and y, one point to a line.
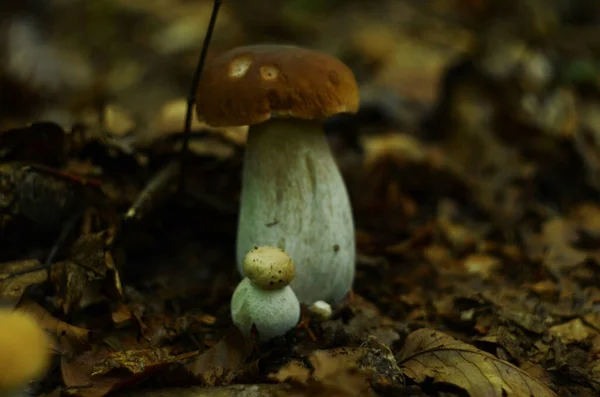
x: 294, y: 198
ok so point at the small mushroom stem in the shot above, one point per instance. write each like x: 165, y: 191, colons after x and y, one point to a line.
x: 294, y: 197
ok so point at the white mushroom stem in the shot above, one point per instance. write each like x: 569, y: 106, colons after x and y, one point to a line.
x: 294, y: 198
x: 273, y: 312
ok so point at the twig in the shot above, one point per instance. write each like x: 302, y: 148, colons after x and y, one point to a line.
x: 191, y: 100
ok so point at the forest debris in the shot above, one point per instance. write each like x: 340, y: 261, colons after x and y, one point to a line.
x: 417, y: 77
x: 366, y: 320
x: 254, y: 390
x: 333, y: 375
x: 546, y: 289
x: 70, y: 338
x: 481, y: 264
x: 113, y: 365
x: 89, y: 273
x: 572, y: 331
x: 12, y: 288
x: 169, y: 121
x: 346, y: 371
x: 112, y: 118
x: 137, y: 361
x: 431, y: 354
x: 156, y: 191
x: 77, y: 374
x: 36, y: 194
x: 553, y: 246
x: 41, y: 142
x: 219, y: 364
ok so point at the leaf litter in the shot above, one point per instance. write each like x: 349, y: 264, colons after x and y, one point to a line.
x: 472, y: 168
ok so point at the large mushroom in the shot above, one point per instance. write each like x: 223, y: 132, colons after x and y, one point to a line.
x: 293, y: 195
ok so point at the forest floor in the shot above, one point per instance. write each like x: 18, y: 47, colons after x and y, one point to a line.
x: 473, y: 168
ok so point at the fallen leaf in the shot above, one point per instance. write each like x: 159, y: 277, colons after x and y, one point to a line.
x: 572, y: 331
x: 136, y: 361
x: 429, y: 354
x: 12, y: 289
x: 482, y: 265
x: 259, y: 390
x: 334, y: 374
x: 88, y: 274
x: 101, y: 370
x: 70, y: 338
x: 218, y: 365
x: 77, y: 374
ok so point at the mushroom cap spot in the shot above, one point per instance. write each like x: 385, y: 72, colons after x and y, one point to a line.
x: 269, y: 72
x: 269, y: 268
x: 239, y: 66
x: 252, y: 84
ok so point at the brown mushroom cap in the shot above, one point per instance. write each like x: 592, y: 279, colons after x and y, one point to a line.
x: 249, y: 85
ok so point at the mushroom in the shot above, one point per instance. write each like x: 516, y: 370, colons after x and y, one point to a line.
x: 24, y: 352
x: 293, y: 195
x: 264, y: 298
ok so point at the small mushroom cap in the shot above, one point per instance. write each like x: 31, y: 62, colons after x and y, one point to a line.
x: 270, y: 268
x: 249, y: 85
x: 24, y: 350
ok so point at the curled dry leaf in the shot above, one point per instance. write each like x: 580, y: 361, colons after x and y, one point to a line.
x: 219, y: 364
x: 137, y: 361
x: 572, y: 331
x: 429, y: 354
x: 70, y: 338
x: 12, y: 288
x: 333, y: 375
x: 344, y: 372
x: 88, y: 274
x: 100, y: 371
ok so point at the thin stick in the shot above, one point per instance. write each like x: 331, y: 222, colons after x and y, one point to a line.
x: 191, y: 100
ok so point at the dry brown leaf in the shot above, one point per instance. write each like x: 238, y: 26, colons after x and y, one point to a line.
x: 99, y: 371
x: 90, y: 270
x: 218, y: 365
x: 335, y: 373
x: 429, y: 354
x: 343, y: 371
x: 258, y: 390
x: 572, y: 331
x: 12, y: 289
x: 70, y: 338
x: 77, y: 374
x: 295, y: 371
x: 137, y: 361
x: 553, y: 245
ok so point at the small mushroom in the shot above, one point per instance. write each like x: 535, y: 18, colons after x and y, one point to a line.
x: 269, y: 268
x: 321, y: 310
x: 293, y: 195
x: 267, y: 303
x: 24, y: 352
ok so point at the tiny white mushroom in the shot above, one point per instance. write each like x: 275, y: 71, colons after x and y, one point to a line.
x: 273, y: 310
x: 322, y: 310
